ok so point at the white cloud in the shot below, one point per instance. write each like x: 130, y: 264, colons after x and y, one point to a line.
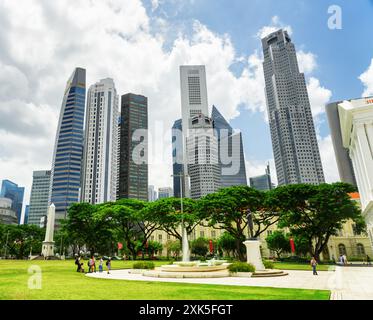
x: 306, y: 61
x: 319, y: 96
x: 328, y: 160
x: 275, y: 24
x: 367, y: 79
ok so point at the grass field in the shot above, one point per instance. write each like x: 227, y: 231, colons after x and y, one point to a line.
x: 60, y: 281
x: 301, y: 266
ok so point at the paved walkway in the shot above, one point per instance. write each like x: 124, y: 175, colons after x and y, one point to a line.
x: 346, y: 283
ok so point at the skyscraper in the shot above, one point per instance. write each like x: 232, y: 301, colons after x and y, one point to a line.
x: 152, y: 194
x: 344, y: 163
x: 294, y: 143
x: 68, y: 150
x: 165, y: 192
x: 194, y: 102
x: 133, y: 162
x: 262, y: 182
x: 39, y: 196
x: 177, y: 155
x: 203, y: 161
x: 11, y: 191
x: 231, y: 154
x: 100, y: 167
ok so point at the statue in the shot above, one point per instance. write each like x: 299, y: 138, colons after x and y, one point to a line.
x: 250, y: 225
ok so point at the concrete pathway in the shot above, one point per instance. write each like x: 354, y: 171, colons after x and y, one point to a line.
x: 346, y: 283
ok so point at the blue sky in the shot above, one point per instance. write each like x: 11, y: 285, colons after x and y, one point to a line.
x: 342, y: 55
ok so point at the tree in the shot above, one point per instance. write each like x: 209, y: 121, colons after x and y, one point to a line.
x: 166, y: 213
x: 200, y: 247
x: 228, y: 208
x: 84, y: 226
x: 124, y: 221
x: 316, y: 212
x: 173, y: 247
x: 226, y: 243
x: 278, y: 242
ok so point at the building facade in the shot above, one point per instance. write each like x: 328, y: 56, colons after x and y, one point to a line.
x: 356, y: 121
x: 344, y: 163
x: 203, y: 161
x: 165, y: 192
x: 262, y: 182
x: 68, y: 149
x: 39, y: 196
x: 294, y: 142
x: 100, y: 160
x: 133, y: 158
x: 230, y: 149
x: 152, y: 194
x: 15, y: 193
x: 177, y: 156
x: 7, y: 214
x: 193, y: 89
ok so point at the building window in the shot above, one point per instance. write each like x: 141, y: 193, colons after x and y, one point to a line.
x: 160, y: 238
x: 360, y: 249
x: 342, y: 249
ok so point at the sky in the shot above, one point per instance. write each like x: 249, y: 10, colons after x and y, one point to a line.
x: 141, y: 44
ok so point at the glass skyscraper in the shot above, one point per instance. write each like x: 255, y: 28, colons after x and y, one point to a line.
x: 11, y: 191
x: 233, y: 172
x: 293, y: 135
x: 262, y: 182
x: 177, y: 155
x: 41, y: 180
x: 67, y: 158
x: 133, y: 157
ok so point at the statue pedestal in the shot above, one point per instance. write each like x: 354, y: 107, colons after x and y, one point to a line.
x: 253, y: 254
x: 48, y: 249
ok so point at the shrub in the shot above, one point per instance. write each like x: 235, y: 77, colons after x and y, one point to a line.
x: 143, y: 265
x: 268, y: 264
x: 241, y: 267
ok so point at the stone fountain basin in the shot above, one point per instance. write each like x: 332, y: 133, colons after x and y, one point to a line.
x: 192, y: 268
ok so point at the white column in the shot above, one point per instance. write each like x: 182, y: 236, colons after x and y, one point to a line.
x: 253, y: 254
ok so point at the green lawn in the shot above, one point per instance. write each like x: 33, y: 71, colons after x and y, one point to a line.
x: 301, y: 266
x: 60, y: 281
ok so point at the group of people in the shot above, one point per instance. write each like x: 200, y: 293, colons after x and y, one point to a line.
x: 91, y: 263
x: 342, y: 259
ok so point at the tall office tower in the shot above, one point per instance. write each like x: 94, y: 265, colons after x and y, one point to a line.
x: 39, y: 196
x: 294, y: 143
x: 193, y: 102
x: 152, y: 194
x: 203, y: 160
x: 11, y: 191
x: 100, y: 167
x: 7, y: 214
x: 231, y: 154
x: 177, y: 156
x: 68, y: 149
x: 262, y: 182
x: 166, y: 192
x: 344, y: 163
x: 133, y: 163
x: 27, y: 212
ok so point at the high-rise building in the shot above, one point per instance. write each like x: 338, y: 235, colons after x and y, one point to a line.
x: 166, y: 192
x: 344, y: 163
x: 295, y: 148
x: 100, y: 167
x: 133, y: 162
x: 203, y: 161
x: 27, y: 211
x: 177, y: 156
x: 356, y: 124
x: 7, y: 214
x: 39, y: 196
x: 194, y: 102
x: 262, y: 182
x: 68, y: 149
x: 152, y: 194
x: 231, y: 154
x: 15, y: 193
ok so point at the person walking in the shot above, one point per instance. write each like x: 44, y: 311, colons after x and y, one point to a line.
x: 101, y: 265
x: 77, y: 263
x: 314, y: 264
x: 108, y: 265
